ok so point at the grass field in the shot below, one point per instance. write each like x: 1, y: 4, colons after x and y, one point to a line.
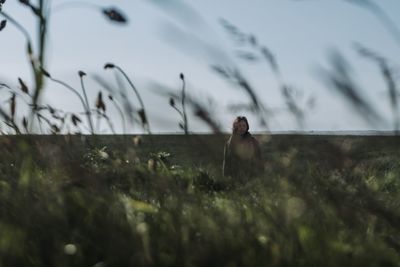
x: 161, y: 201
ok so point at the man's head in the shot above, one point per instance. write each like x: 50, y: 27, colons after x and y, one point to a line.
x: 240, y: 125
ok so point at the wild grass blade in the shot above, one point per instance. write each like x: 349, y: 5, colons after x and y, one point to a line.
x: 73, y: 90
x: 388, y: 76
x: 339, y: 79
x: 185, y: 121
x: 142, y: 111
x: 81, y: 75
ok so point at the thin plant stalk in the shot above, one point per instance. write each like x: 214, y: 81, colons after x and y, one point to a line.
x: 108, y: 122
x: 116, y: 105
x: 98, y: 121
x: 392, y: 95
x: 9, y: 121
x: 29, y: 50
x: 389, y: 79
x: 38, y: 76
x: 40, y: 122
x: 42, y: 27
x: 146, y: 122
x: 184, y: 116
x: 100, y: 115
x: 87, y: 112
x: 42, y: 30
x: 177, y: 109
x: 55, y: 129
x: 381, y: 15
x: 18, y: 26
x: 87, y: 105
x: 135, y: 91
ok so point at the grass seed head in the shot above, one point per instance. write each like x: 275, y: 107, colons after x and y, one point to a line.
x: 109, y: 66
x: 114, y: 15
x: 3, y: 23
x: 100, y: 103
x: 24, y: 88
x: 81, y: 73
x: 172, y: 102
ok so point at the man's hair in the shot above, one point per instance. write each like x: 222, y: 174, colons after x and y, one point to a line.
x: 237, y: 120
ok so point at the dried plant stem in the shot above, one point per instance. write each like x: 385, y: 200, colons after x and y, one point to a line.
x: 87, y: 106
x: 36, y: 68
x: 103, y: 114
x: 87, y: 111
x: 42, y: 25
x: 9, y: 121
x: 116, y: 105
x: 18, y: 26
x: 98, y: 121
x: 38, y: 76
x: 177, y: 109
x: 381, y: 15
x: 184, y: 116
x: 145, y: 122
x: 40, y: 122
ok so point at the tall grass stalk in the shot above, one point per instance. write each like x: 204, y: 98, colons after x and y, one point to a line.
x: 35, y: 62
x: 389, y: 78
x: 121, y: 113
x: 81, y: 75
x: 87, y: 111
x: 142, y: 112
x: 185, y: 122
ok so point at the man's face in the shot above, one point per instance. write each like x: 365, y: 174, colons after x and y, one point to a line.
x: 241, y: 127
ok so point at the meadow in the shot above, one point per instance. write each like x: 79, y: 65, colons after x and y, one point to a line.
x: 161, y: 201
x: 72, y: 197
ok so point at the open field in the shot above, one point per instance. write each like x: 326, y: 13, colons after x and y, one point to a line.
x: 161, y: 201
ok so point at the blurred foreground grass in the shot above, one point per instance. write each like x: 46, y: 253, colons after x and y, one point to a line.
x: 160, y: 201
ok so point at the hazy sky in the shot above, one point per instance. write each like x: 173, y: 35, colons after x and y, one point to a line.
x: 166, y: 37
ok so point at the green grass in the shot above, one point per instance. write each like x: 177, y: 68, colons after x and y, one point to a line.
x: 82, y: 201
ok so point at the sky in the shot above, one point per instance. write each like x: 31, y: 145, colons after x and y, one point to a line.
x: 164, y: 38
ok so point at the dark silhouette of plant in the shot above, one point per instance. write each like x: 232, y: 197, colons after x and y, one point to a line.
x: 121, y: 113
x: 340, y: 80
x: 250, y: 50
x: 13, y: 105
x: 388, y: 76
x: 111, y: 13
x: 70, y: 88
x: 101, y: 112
x: 127, y: 108
x: 4, y: 85
x: 184, y: 124
x: 27, y: 36
x: 3, y: 24
x: 200, y: 110
x: 75, y: 119
x: 381, y: 15
x: 41, y: 10
x: 142, y: 113
x: 25, y: 125
x: 24, y: 88
x: 9, y: 121
x: 114, y: 15
x: 235, y: 76
x: 81, y: 75
x: 1, y: 3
